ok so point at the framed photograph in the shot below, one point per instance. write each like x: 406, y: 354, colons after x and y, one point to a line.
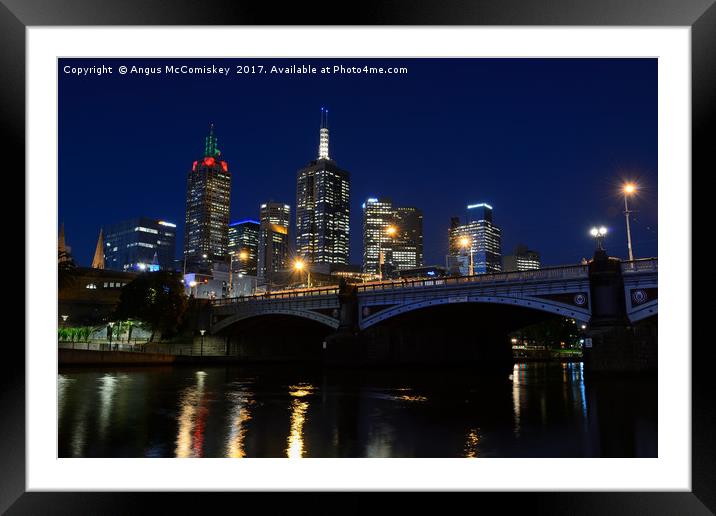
x: 412, y: 250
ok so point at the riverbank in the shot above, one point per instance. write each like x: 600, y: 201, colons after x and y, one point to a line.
x: 82, y: 357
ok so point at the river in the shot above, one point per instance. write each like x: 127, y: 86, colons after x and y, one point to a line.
x: 537, y: 410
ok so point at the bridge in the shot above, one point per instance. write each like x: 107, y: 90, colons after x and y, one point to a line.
x: 568, y: 291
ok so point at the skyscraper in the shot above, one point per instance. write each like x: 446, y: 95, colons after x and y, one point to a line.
x: 478, y: 238
x: 408, y: 242
x: 140, y: 244
x: 273, y: 239
x: 400, y: 249
x: 521, y: 259
x: 322, y: 206
x: 208, y: 198
x: 244, y: 246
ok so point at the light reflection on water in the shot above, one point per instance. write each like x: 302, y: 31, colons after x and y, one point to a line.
x: 192, y: 416
x: 537, y: 410
x: 299, y: 406
x: 239, y: 414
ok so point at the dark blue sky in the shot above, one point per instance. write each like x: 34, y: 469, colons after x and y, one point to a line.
x: 546, y: 142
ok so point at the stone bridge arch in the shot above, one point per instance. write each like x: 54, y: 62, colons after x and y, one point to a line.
x: 230, y: 320
x: 534, y: 303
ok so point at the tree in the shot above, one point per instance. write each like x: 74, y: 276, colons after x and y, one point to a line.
x: 156, y: 298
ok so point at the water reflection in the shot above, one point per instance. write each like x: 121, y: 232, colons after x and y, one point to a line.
x: 192, y: 418
x: 239, y: 415
x: 299, y: 406
x: 541, y: 410
x: 473, y: 439
x: 108, y: 388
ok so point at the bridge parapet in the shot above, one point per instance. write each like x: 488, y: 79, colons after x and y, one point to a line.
x: 284, y: 294
x: 550, y: 273
x: 642, y: 265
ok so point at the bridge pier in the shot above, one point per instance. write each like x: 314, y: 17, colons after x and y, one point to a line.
x: 344, y: 346
x: 616, y: 344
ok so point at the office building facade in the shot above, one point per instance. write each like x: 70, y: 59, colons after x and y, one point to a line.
x: 208, y: 197
x: 521, y: 259
x: 139, y: 244
x: 323, y: 206
x: 483, y: 241
x: 387, y: 251
x: 273, y: 248
x: 244, y: 246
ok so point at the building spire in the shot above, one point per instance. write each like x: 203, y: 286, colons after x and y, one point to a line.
x: 61, y: 247
x: 210, y: 143
x: 323, y: 136
x: 98, y: 260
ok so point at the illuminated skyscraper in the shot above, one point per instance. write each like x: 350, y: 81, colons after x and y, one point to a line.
x: 322, y: 206
x: 244, y: 246
x: 140, y: 244
x: 521, y: 259
x: 273, y: 239
x: 401, y: 250
x: 483, y: 241
x: 208, y: 196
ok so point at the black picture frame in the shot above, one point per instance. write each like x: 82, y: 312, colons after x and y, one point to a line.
x: 700, y: 15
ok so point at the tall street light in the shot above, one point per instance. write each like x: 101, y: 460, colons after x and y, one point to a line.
x: 202, y: 341
x: 111, y: 328
x: 390, y: 231
x: 299, y: 265
x: 629, y: 189
x: 599, y: 234
x: 465, y: 243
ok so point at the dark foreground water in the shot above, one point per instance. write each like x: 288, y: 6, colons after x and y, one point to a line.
x: 540, y: 410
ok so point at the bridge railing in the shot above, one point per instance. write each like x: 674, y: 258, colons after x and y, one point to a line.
x: 284, y: 294
x: 550, y: 273
x: 641, y: 265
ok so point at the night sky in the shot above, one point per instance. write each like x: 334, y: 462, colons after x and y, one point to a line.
x: 546, y: 142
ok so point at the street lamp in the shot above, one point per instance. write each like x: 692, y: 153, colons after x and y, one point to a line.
x: 599, y: 234
x: 299, y: 265
x: 64, y: 320
x: 628, y: 189
x: 243, y: 256
x: 390, y: 231
x: 465, y: 243
x: 111, y: 327
x: 202, y: 341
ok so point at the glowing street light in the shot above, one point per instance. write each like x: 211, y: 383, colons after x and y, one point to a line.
x: 111, y: 328
x: 599, y: 234
x: 390, y: 231
x: 202, y: 341
x: 299, y: 265
x: 628, y: 189
x: 466, y: 243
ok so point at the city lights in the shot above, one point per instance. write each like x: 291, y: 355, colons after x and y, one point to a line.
x: 599, y: 233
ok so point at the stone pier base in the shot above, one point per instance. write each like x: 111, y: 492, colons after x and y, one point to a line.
x: 623, y: 349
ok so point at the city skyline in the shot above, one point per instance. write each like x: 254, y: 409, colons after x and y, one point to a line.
x: 573, y: 190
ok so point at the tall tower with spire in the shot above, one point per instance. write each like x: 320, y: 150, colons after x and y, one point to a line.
x: 208, y: 197
x: 98, y: 259
x: 63, y: 250
x: 323, y: 206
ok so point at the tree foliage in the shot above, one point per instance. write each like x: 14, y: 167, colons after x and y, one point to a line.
x: 155, y: 298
